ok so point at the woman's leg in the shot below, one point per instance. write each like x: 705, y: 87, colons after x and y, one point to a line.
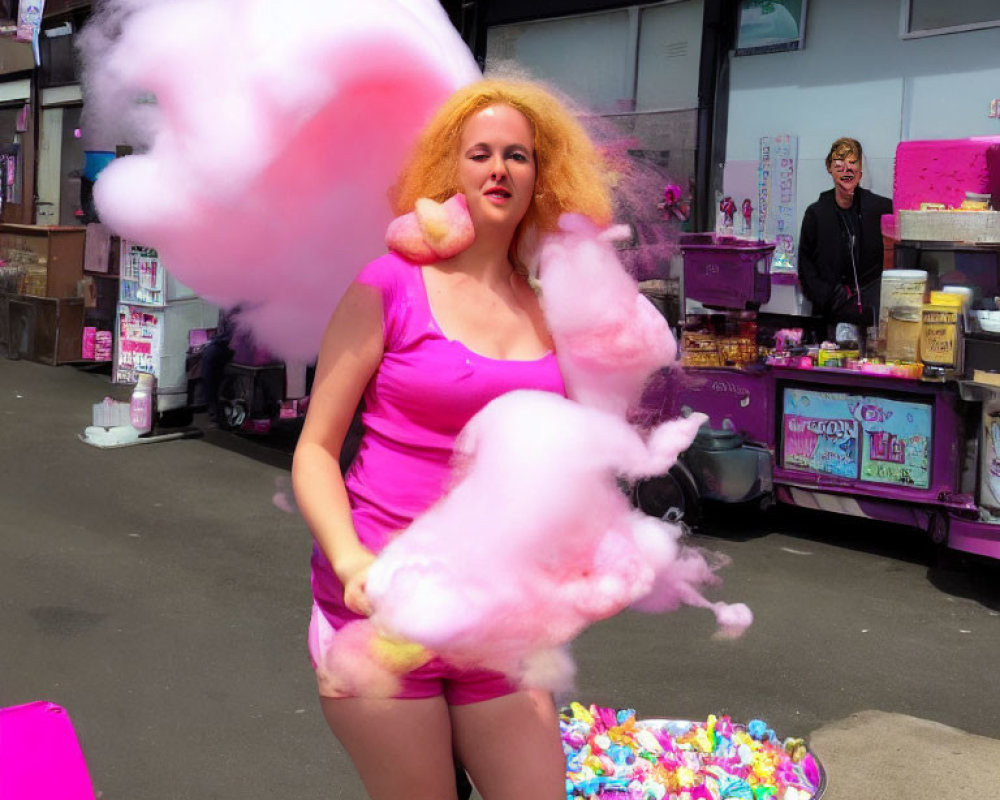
x: 400, y: 748
x: 511, y: 747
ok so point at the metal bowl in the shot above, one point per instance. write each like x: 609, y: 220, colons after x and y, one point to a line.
x: 677, y: 727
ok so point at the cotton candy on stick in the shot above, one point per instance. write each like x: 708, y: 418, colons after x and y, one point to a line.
x: 272, y: 143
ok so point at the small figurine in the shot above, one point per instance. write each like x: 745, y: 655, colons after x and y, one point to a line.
x: 747, y: 209
x: 673, y: 203
x: 728, y: 209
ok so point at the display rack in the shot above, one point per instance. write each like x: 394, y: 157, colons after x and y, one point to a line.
x: 154, y: 318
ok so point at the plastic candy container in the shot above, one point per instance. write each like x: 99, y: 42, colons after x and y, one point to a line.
x: 611, y: 754
x: 141, y: 405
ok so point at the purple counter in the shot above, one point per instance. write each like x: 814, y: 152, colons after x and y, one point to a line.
x: 884, y: 448
x: 874, y: 406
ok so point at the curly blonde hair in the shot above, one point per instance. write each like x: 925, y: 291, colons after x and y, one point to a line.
x: 570, y: 174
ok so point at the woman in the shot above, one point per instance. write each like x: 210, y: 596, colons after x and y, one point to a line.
x: 425, y: 348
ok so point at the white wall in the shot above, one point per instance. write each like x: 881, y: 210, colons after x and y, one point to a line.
x: 856, y: 77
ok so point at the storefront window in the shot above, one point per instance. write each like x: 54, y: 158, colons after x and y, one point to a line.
x: 669, y: 57
x: 932, y: 17
x: 589, y: 57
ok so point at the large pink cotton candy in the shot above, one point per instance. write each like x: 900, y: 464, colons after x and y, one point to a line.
x: 275, y: 135
x: 609, y: 338
x: 536, y: 541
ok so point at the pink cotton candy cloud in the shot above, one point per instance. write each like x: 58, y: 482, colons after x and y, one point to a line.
x: 609, y: 338
x: 536, y: 541
x: 267, y: 138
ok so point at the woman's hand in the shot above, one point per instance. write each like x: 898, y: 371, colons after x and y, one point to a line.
x: 352, y: 570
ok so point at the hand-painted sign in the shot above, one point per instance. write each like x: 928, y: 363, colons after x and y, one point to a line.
x: 873, y: 439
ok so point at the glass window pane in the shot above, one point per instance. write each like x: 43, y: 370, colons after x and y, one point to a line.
x: 669, y: 56
x: 587, y: 57
x: 930, y: 14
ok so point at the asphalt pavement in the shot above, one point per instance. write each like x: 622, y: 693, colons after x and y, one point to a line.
x: 159, y: 593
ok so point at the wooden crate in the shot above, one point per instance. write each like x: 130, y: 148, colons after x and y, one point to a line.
x: 45, y: 329
x: 56, y: 249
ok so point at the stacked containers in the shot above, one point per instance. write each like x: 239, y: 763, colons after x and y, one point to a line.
x: 940, y: 331
x: 900, y: 305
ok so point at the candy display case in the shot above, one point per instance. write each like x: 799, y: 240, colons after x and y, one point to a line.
x: 155, y: 315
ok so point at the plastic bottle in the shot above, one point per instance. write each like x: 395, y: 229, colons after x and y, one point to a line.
x: 141, y: 405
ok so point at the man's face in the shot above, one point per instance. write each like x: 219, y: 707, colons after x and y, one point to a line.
x: 846, y: 172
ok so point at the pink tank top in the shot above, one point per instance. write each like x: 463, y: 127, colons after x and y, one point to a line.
x: 424, y: 392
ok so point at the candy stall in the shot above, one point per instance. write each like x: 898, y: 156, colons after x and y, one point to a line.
x: 900, y: 422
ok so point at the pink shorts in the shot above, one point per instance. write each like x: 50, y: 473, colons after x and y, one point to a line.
x: 437, y: 677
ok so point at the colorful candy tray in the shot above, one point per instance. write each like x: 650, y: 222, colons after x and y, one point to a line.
x: 611, y: 754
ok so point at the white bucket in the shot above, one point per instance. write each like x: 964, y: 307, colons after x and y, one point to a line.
x: 900, y: 288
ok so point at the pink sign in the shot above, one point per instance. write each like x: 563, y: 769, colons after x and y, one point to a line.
x: 41, y: 757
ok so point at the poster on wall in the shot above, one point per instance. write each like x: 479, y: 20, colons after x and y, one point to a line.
x: 770, y: 26
x: 140, y: 333
x: 819, y: 434
x: 897, y: 438
x: 776, y: 175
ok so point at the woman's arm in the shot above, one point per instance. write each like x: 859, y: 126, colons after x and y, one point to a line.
x: 350, y: 354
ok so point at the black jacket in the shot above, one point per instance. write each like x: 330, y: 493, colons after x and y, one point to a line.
x: 825, y: 269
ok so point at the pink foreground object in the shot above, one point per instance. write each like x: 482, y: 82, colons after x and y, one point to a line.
x: 941, y: 171
x: 266, y: 186
x: 40, y: 757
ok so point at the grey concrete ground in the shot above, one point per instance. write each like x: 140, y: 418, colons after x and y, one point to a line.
x: 159, y: 595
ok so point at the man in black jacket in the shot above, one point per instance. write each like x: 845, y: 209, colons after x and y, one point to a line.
x: 840, y: 247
